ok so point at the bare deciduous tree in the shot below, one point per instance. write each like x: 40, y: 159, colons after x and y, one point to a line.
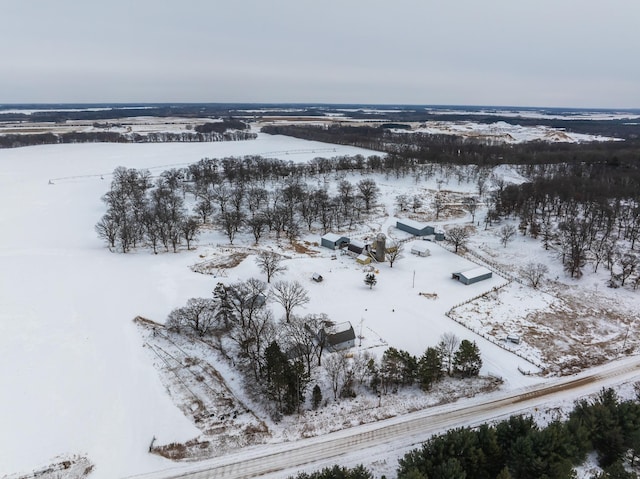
x: 471, y: 205
x: 447, y: 348
x: 231, y: 222
x: 506, y: 234
x: 303, y: 336
x: 402, y: 200
x: 416, y: 202
x: 199, y: 315
x: 458, y: 237
x: 190, y: 229
x: 360, y: 366
x: 437, y: 204
x: 257, y: 224
x: 289, y: 294
x: 628, y: 263
x: 107, y: 229
x: 534, y: 273
x: 393, y: 252
x: 369, y: 191
x: 336, y: 367
x: 270, y: 263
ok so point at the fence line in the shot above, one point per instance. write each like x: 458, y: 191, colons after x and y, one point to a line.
x: 479, y: 260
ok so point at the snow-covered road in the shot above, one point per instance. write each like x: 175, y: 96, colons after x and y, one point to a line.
x: 400, y: 433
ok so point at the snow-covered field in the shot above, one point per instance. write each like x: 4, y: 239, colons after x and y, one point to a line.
x: 74, y: 376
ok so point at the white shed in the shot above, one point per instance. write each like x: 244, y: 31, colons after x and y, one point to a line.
x: 420, y: 248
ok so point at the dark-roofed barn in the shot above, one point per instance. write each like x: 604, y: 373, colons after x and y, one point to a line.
x: 414, y: 227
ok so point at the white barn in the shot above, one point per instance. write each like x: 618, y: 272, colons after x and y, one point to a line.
x: 473, y: 275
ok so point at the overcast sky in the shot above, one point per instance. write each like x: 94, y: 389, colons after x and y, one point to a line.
x: 575, y: 53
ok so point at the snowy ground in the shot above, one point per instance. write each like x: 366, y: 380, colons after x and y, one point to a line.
x: 73, y: 374
x: 77, y: 379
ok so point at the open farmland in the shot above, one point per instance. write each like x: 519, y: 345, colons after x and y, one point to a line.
x: 81, y: 381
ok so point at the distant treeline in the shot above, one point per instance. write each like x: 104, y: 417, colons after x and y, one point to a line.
x: 214, y: 131
x: 457, y: 150
x: 64, y: 112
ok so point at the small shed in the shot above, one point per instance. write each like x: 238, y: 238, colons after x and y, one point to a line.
x: 317, y: 277
x: 420, y: 248
x: 439, y: 235
x: 333, y: 241
x: 363, y: 259
x: 472, y: 275
x: 340, y: 336
x: 513, y: 338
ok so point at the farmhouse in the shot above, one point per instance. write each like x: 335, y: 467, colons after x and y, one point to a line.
x: 333, y: 241
x: 414, y: 227
x: 472, y: 275
x: 420, y: 248
x: 340, y: 336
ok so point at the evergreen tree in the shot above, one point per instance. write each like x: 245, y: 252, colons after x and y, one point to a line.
x: 316, y: 396
x: 225, y: 309
x: 504, y: 474
x: 397, y: 368
x: 337, y: 472
x: 467, y: 361
x: 429, y: 368
x: 452, y: 469
x: 370, y: 280
x: 286, y: 381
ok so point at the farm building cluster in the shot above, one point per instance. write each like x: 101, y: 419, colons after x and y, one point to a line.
x: 363, y: 251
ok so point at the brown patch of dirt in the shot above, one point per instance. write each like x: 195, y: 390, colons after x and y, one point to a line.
x: 225, y: 258
x: 74, y: 467
x: 187, y: 368
x: 579, y: 334
x: 304, y: 248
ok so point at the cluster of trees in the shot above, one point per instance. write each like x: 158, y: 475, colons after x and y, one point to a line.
x: 247, y: 195
x: 450, y: 357
x: 143, y: 212
x: 293, y: 205
x: 280, y: 358
x: 276, y: 357
x: 517, y: 448
x: 221, y: 126
x: 585, y: 224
